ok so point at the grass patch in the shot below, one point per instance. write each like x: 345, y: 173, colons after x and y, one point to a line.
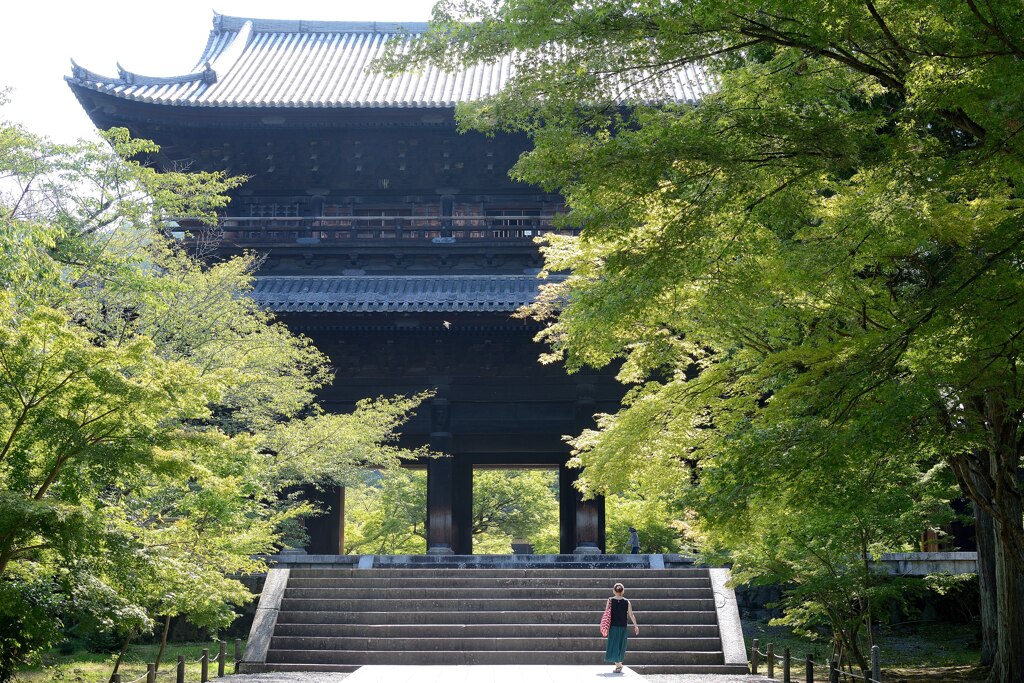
x: 927, y: 652
x: 82, y: 666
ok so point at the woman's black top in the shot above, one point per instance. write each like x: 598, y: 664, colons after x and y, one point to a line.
x: 620, y: 609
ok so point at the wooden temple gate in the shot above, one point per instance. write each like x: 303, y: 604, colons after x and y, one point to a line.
x: 400, y: 246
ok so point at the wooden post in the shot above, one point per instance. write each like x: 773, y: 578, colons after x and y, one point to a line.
x: 180, y: 678
x: 770, y: 657
x: 115, y: 678
x: 786, y: 666
x: 833, y: 671
x: 151, y: 673
x: 876, y: 664
x: 222, y: 657
x: 753, y: 656
x: 810, y: 670
x: 204, y: 664
x: 238, y: 653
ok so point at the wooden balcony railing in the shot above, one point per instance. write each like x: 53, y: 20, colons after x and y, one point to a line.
x: 423, y: 229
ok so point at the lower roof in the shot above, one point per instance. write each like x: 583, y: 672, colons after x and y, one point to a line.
x: 396, y: 293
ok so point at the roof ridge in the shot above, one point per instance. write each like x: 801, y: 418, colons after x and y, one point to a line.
x: 230, y: 23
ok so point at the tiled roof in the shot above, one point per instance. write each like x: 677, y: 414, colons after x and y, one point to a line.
x: 395, y: 293
x: 306, y: 64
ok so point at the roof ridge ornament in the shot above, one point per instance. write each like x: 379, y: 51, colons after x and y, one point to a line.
x: 78, y: 72
x: 209, y: 75
x: 125, y: 75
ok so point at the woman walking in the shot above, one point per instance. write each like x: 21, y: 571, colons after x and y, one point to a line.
x: 621, y: 610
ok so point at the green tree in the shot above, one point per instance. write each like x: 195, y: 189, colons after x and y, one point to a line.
x: 658, y: 522
x: 512, y: 504
x: 150, y: 414
x: 386, y: 513
x: 829, y: 242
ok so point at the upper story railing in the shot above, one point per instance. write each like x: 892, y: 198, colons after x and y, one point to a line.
x: 406, y: 228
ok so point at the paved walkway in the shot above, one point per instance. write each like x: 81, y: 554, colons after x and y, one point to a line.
x: 488, y: 674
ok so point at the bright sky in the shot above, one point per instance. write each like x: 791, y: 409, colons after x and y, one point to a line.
x: 38, y: 39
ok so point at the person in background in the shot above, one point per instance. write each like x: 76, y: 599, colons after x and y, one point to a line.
x: 615, y: 650
x: 634, y: 541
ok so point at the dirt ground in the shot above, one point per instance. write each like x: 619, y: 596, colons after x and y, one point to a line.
x: 945, y: 674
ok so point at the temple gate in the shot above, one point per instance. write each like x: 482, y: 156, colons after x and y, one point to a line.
x: 398, y: 245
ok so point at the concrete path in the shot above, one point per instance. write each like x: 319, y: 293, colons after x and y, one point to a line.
x: 488, y: 674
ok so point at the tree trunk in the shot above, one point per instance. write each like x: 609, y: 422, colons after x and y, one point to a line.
x: 985, y: 535
x: 1009, y: 571
x: 1007, y: 523
x: 120, y: 655
x: 163, y: 641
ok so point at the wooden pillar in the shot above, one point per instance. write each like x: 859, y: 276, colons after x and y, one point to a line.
x: 567, y: 499
x: 589, y: 536
x: 589, y: 525
x: 440, y: 486
x: 581, y: 522
x: 440, y: 483
x: 462, y: 507
x: 326, y: 531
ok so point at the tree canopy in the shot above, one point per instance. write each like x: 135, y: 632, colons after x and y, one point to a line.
x: 151, y: 415
x: 812, y: 276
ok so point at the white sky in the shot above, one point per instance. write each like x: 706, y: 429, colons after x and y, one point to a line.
x: 38, y: 38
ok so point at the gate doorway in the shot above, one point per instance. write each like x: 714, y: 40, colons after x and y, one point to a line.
x: 515, y: 511
x: 455, y: 506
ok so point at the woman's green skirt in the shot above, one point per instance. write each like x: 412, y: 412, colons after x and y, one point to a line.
x: 615, y: 651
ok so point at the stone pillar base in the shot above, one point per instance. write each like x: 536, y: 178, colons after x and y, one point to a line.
x: 440, y: 550
x: 587, y: 549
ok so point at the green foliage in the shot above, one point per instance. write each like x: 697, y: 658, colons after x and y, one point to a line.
x: 150, y: 414
x: 812, y: 277
x: 656, y: 520
x: 29, y: 621
x: 514, y: 504
x: 386, y: 513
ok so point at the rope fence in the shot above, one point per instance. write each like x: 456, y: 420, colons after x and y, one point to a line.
x: 204, y: 660
x: 836, y: 674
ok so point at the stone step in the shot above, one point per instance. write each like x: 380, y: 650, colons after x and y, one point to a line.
x: 432, y: 657
x: 428, y: 630
x: 678, y: 669
x: 402, y: 617
x: 514, y: 582
x: 258, y: 668
x: 499, y: 593
x: 370, y: 604
x: 623, y: 575
x: 524, y: 644
x: 644, y: 669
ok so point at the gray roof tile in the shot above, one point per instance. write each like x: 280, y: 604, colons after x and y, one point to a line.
x: 396, y: 293
x: 307, y: 64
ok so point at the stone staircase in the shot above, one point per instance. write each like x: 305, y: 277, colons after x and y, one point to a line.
x: 338, y: 619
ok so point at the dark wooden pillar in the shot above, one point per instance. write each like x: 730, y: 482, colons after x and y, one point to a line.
x: 440, y: 483
x: 589, y: 524
x: 462, y: 508
x: 326, y: 531
x: 567, y: 499
x: 440, y: 486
